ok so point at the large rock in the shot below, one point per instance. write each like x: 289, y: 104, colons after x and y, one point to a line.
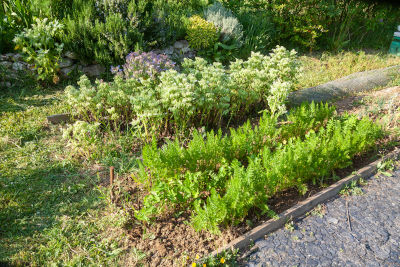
x: 351, y: 84
x: 6, y: 64
x: 17, y: 57
x: 181, y: 44
x: 18, y: 66
x: 66, y: 62
x: 93, y: 70
x: 71, y: 55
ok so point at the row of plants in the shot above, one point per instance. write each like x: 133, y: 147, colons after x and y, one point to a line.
x: 105, y: 31
x: 149, y: 92
x: 220, y: 178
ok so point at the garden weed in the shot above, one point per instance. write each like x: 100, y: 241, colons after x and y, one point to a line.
x: 352, y: 189
x: 386, y: 165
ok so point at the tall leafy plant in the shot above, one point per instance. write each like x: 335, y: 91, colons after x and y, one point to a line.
x: 40, y: 47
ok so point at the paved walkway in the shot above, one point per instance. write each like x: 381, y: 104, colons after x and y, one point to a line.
x: 371, y: 238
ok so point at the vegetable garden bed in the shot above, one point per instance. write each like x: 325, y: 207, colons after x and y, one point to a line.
x: 170, y: 237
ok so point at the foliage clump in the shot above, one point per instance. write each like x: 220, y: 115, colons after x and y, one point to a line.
x: 201, y: 34
x: 220, y: 178
x: 231, y: 31
x: 143, y: 65
x: 40, y: 47
x: 201, y: 94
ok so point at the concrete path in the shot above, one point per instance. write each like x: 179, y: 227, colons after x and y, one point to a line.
x: 353, y: 230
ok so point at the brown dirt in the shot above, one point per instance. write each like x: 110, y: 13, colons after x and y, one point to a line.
x: 171, y: 241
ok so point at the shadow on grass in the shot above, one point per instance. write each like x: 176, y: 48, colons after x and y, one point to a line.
x: 33, y: 199
x: 19, y: 99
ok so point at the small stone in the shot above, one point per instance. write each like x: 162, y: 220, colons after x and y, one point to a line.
x: 169, y: 50
x: 71, y: 55
x: 332, y: 220
x: 67, y: 70
x: 6, y: 64
x: 65, y: 62
x: 178, y: 45
x: 18, y: 66
x: 58, y: 118
x: 93, y: 70
x: 9, y: 55
x: 5, y: 84
x: 17, y: 57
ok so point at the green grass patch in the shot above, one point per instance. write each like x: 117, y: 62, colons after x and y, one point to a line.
x: 52, y: 210
x: 325, y: 67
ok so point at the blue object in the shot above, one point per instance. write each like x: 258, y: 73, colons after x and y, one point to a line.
x: 395, y: 46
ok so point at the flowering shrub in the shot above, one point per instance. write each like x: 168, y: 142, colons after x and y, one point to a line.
x: 201, y: 33
x: 267, y: 79
x: 143, y: 65
x: 39, y: 46
x: 230, y: 28
x: 201, y: 94
x: 200, y: 89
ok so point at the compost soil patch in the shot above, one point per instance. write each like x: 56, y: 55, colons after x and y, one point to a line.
x: 171, y: 241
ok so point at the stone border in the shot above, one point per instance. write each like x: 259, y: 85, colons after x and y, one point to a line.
x: 244, y: 241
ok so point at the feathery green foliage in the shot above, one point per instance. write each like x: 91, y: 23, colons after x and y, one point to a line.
x: 290, y: 165
x: 179, y: 176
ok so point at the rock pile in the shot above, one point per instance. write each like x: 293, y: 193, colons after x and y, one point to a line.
x: 178, y: 51
x: 69, y: 62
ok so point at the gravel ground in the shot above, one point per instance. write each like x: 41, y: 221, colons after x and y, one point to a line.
x: 355, y: 230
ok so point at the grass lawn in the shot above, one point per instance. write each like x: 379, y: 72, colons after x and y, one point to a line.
x: 54, y: 207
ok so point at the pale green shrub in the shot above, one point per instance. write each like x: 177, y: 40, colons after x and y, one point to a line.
x: 267, y: 79
x: 200, y: 89
x: 229, y: 26
x: 201, y: 94
x: 120, y: 100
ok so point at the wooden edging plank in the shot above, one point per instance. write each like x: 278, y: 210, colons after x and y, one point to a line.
x: 59, y: 118
x: 302, y: 207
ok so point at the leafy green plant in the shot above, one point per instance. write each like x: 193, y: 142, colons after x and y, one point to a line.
x: 201, y: 33
x: 15, y: 15
x: 289, y: 165
x: 105, y: 32
x: 40, y: 47
x: 201, y: 94
x: 179, y: 175
x: 352, y: 189
x: 384, y: 166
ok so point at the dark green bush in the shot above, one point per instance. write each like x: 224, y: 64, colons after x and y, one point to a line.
x: 315, y: 24
x: 106, y: 31
x: 15, y: 15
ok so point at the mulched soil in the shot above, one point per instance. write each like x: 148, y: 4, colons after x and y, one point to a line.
x: 171, y: 241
